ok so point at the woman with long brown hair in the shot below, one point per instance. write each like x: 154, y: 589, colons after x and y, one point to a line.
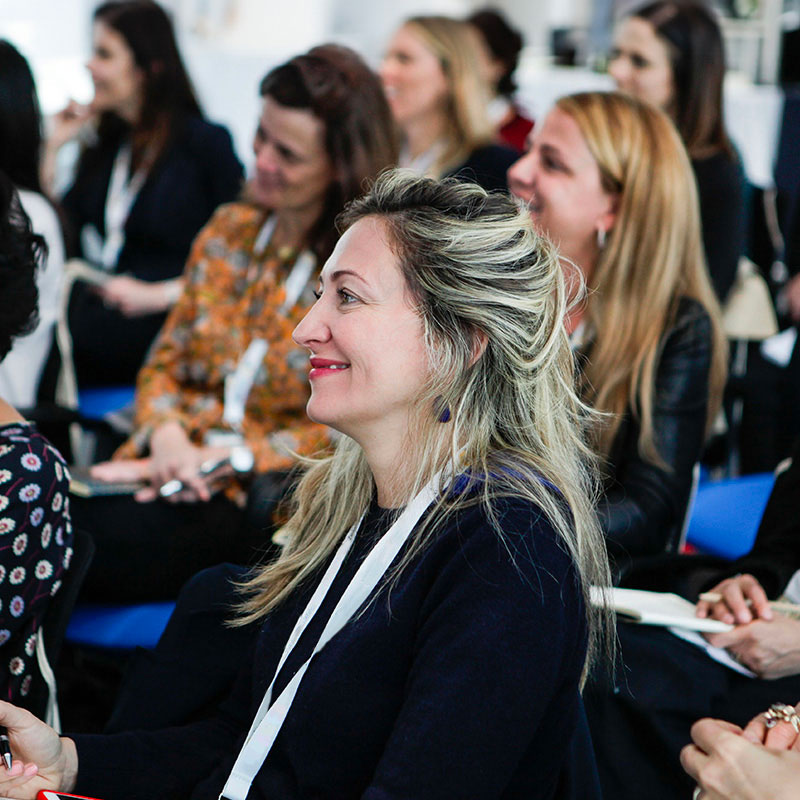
x: 607, y: 178
x: 151, y: 173
x: 671, y: 53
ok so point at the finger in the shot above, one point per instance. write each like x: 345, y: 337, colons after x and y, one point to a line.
x: 781, y: 737
x: 726, y: 639
x: 199, y: 488
x: 735, y: 600
x: 692, y: 760
x: 758, y: 597
x: 125, y: 470
x: 707, y: 733
x: 756, y: 730
x: 146, y: 495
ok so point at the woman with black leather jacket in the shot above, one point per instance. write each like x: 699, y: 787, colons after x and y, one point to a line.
x: 609, y: 179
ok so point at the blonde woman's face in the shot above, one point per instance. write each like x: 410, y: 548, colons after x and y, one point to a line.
x: 415, y: 84
x: 368, y: 358
x: 640, y: 63
x: 560, y: 181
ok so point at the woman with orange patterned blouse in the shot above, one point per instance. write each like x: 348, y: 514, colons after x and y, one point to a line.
x: 224, y: 371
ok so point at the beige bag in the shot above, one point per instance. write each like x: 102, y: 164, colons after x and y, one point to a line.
x: 749, y: 313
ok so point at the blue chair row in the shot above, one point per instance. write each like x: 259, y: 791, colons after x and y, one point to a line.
x: 118, y: 627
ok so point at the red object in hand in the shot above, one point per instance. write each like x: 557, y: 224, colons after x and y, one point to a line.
x: 47, y: 794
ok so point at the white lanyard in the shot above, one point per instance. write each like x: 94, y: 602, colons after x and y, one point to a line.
x: 268, y: 720
x: 239, y: 383
x: 122, y: 194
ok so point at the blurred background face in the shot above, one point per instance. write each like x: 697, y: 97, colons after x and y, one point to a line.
x: 292, y: 169
x: 560, y: 180
x: 118, y: 81
x: 640, y: 63
x: 415, y: 85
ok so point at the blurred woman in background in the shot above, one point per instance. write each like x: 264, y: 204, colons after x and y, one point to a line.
x: 150, y: 177
x: 224, y: 372
x: 670, y: 53
x: 20, y: 151
x: 498, y: 59
x: 439, y: 101
x: 608, y: 180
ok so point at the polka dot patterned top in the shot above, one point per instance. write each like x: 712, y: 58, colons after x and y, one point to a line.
x: 35, y: 548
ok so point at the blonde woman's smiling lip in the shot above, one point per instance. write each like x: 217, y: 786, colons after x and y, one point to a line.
x: 325, y: 366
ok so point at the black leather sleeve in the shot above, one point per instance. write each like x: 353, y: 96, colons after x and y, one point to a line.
x: 644, y: 502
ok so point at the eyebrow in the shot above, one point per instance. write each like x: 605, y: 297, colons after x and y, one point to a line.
x: 341, y: 273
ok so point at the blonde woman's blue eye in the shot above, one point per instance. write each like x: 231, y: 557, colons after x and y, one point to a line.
x: 345, y: 296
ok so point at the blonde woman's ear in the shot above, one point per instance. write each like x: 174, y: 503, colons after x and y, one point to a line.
x: 478, y: 345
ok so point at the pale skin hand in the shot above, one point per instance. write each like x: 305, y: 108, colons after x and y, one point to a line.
x: 771, y: 649
x: 136, y: 298
x: 68, y: 123
x: 172, y: 456
x: 733, y: 608
x: 728, y: 766
x: 42, y: 759
x: 66, y: 126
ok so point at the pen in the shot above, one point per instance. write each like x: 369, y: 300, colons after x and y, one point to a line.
x: 5, y: 747
x: 792, y: 609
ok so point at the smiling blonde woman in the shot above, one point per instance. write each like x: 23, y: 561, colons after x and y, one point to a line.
x: 426, y: 629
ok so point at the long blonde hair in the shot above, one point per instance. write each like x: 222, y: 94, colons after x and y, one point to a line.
x: 652, y: 259
x: 454, y: 43
x: 478, y: 273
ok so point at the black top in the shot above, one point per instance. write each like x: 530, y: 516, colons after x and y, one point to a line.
x: 643, y: 504
x: 721, y: 189
x: 462, y: 681
x: 487, y: 166
x: 197, y: 172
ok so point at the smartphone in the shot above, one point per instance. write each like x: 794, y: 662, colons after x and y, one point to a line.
x: 46, y: 794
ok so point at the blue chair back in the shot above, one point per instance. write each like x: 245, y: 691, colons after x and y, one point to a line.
x: 726, y: 514
x: 118, y: 627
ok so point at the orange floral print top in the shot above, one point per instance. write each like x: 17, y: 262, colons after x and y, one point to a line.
x: 231, y: 297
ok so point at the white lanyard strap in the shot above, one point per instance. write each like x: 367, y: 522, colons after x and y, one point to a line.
x: 269, y: 719
x: 239, y: 383
x: 122, y: 194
